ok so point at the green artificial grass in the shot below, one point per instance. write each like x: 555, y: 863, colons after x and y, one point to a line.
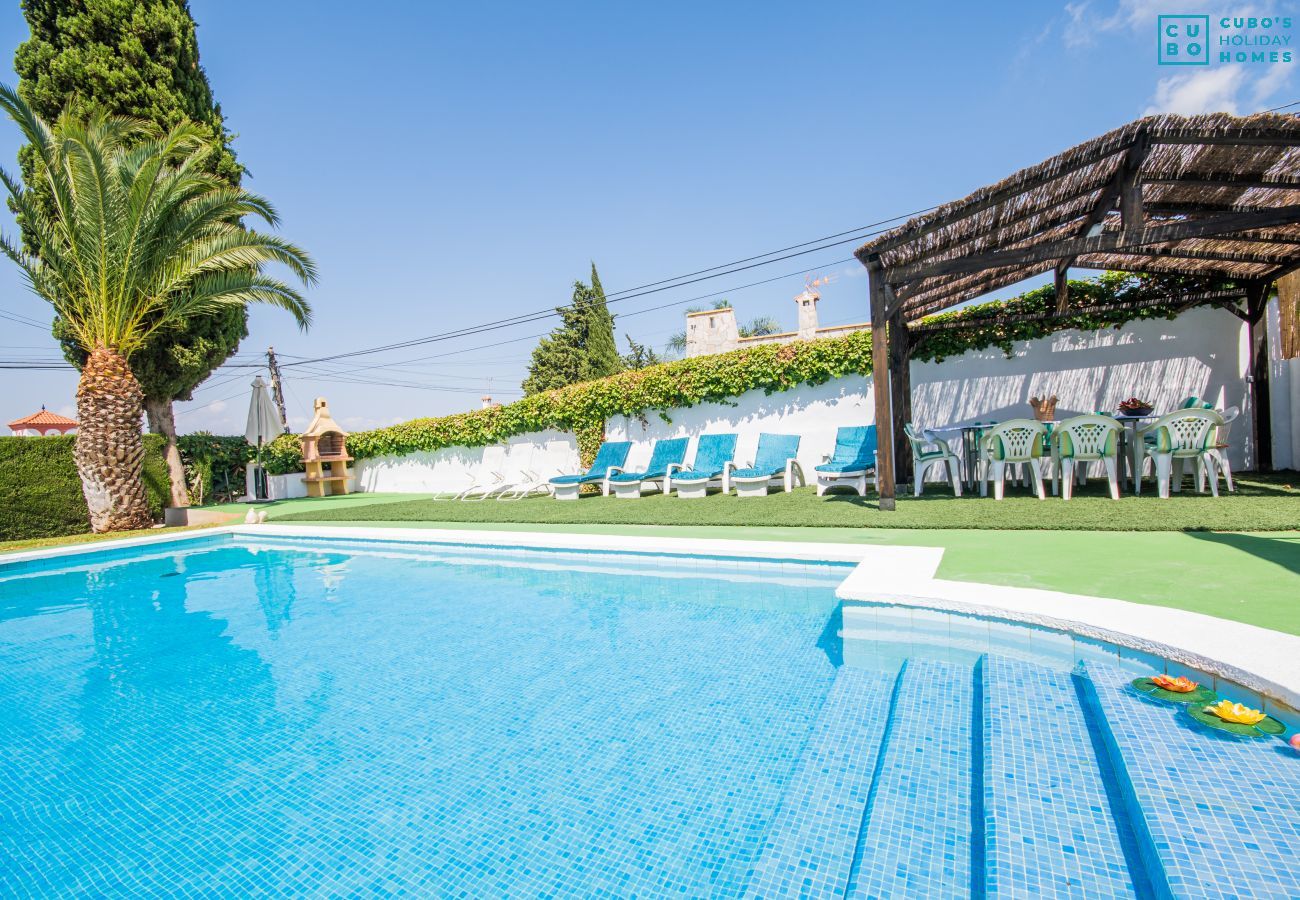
x: 1267, y: 503
x: 67, y: 540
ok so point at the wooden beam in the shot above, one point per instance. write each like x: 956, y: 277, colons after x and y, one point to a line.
x: 1108, y: 241
x: 880, y: 386
x: 1062, y: 286
x: 1283, y: 271
x: 900, y: 392
x: 1261, y: 423
x: 1132, y: 217
x: 1281, y: 141
x: 1226, y: 256
x: 1228, y: 179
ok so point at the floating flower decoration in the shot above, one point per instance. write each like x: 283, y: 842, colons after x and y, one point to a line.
x: 1178, y: 690
x: 1179, y: 685
x: 1236, y: 712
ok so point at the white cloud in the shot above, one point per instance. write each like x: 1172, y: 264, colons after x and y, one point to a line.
x: 218, y: 407
x: 1211, y: 90
x: 1274, y: 79
x: 68, y: 410
x: 1079, y: 30
x: 1232, y: 88
x: 1085, y: 21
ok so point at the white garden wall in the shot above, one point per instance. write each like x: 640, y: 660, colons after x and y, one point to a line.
x: 545, y: 453
x: 1284, y: 396
x: 1201, y: 353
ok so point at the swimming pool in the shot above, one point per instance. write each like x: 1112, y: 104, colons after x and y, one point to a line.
x: 239, y: 715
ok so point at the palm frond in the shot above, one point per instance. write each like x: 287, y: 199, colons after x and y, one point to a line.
x: 139, y: 237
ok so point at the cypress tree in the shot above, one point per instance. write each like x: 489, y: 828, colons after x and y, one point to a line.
x: 142, y: 60
x: 582, y: 347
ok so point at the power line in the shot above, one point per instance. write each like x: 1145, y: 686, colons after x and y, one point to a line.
x: 620, y: 296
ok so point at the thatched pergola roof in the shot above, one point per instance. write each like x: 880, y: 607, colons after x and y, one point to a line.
x: 1214, y: 195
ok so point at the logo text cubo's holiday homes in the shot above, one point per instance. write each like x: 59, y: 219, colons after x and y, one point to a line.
x: 1185, y: 40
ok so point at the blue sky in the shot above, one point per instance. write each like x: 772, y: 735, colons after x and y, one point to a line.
x: 453, y: 164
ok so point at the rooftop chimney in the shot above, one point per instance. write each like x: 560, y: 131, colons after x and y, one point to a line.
x: 807, y: 302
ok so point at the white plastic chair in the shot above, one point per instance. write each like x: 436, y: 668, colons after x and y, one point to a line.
x: 1219, y: 450
x: 1177, y: 437
x: 1085, y: 439
x: 1010, y: 443
x: 929, y: 450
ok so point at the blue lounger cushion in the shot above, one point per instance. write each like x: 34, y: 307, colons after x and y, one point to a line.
x: 711, y: 457
x: 855, y: 451
x: 774, y: 451
x: 665, y: 454
x: 836, y: 468
x: 610, y: 455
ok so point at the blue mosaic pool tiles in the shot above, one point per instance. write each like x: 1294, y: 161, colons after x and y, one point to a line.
x: 810, y: 848
x: 916, y: 838
x: 1050, y: 830
x: 1222, y: 813
x: 283, y: 723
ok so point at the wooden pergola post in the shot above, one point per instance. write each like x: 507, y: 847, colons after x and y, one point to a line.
x: 1261, y: 422
x: 880, y: 384
x: 900, y: 389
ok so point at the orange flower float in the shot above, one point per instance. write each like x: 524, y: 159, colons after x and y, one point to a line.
x: 1236, y: 712
x: 1179, y: 685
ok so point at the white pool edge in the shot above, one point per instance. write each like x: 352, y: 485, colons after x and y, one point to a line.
x: 1264, y: 661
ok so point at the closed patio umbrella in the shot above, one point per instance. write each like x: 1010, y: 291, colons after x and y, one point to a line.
x: 263, y: 427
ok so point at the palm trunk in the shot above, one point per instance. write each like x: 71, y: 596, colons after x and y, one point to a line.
x: 110, y: 451
x: 162, y: 421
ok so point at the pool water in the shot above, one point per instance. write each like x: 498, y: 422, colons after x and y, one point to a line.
x: 233, y: 716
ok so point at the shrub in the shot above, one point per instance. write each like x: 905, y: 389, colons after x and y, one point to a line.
x: 42, y: 493
x: 214, y: 465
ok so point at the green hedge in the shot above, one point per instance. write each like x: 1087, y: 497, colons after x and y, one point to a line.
x: 583, y: 408
x: 42, y: 493
x: 214, y: 465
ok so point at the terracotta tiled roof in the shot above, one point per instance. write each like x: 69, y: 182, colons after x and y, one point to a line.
x: 43, y: 419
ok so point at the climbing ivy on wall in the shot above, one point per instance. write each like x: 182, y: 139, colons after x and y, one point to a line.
x: 1000, y: 323
x: 583, y: 408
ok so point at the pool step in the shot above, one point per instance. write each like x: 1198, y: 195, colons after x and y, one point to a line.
x: 916, y: 837
x: 1215, y: 816
x: 810, y: 847
x: 1050, y: 827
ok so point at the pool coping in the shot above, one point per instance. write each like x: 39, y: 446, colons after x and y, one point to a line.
x: 1264, y: 661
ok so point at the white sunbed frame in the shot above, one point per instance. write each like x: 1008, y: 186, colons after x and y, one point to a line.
x: 697, y: 489
x: 757, y: 485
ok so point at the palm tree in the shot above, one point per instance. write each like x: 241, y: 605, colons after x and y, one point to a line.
x: 135, y: 240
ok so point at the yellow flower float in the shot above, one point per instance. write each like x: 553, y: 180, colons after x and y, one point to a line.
x: 1236, y: 712
x: 1237, y: 718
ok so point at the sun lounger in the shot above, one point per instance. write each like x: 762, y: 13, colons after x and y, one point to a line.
x: 853, y: 459
x: 774, y: 461
x: 666, y: 454
x: 714, y: 459
x: 612, y: 455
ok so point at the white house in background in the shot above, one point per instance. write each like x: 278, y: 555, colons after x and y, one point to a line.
x: 715, y: 330
x: 42, y: 423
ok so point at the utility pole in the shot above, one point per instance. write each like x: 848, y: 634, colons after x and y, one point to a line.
x: 276, y: 390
